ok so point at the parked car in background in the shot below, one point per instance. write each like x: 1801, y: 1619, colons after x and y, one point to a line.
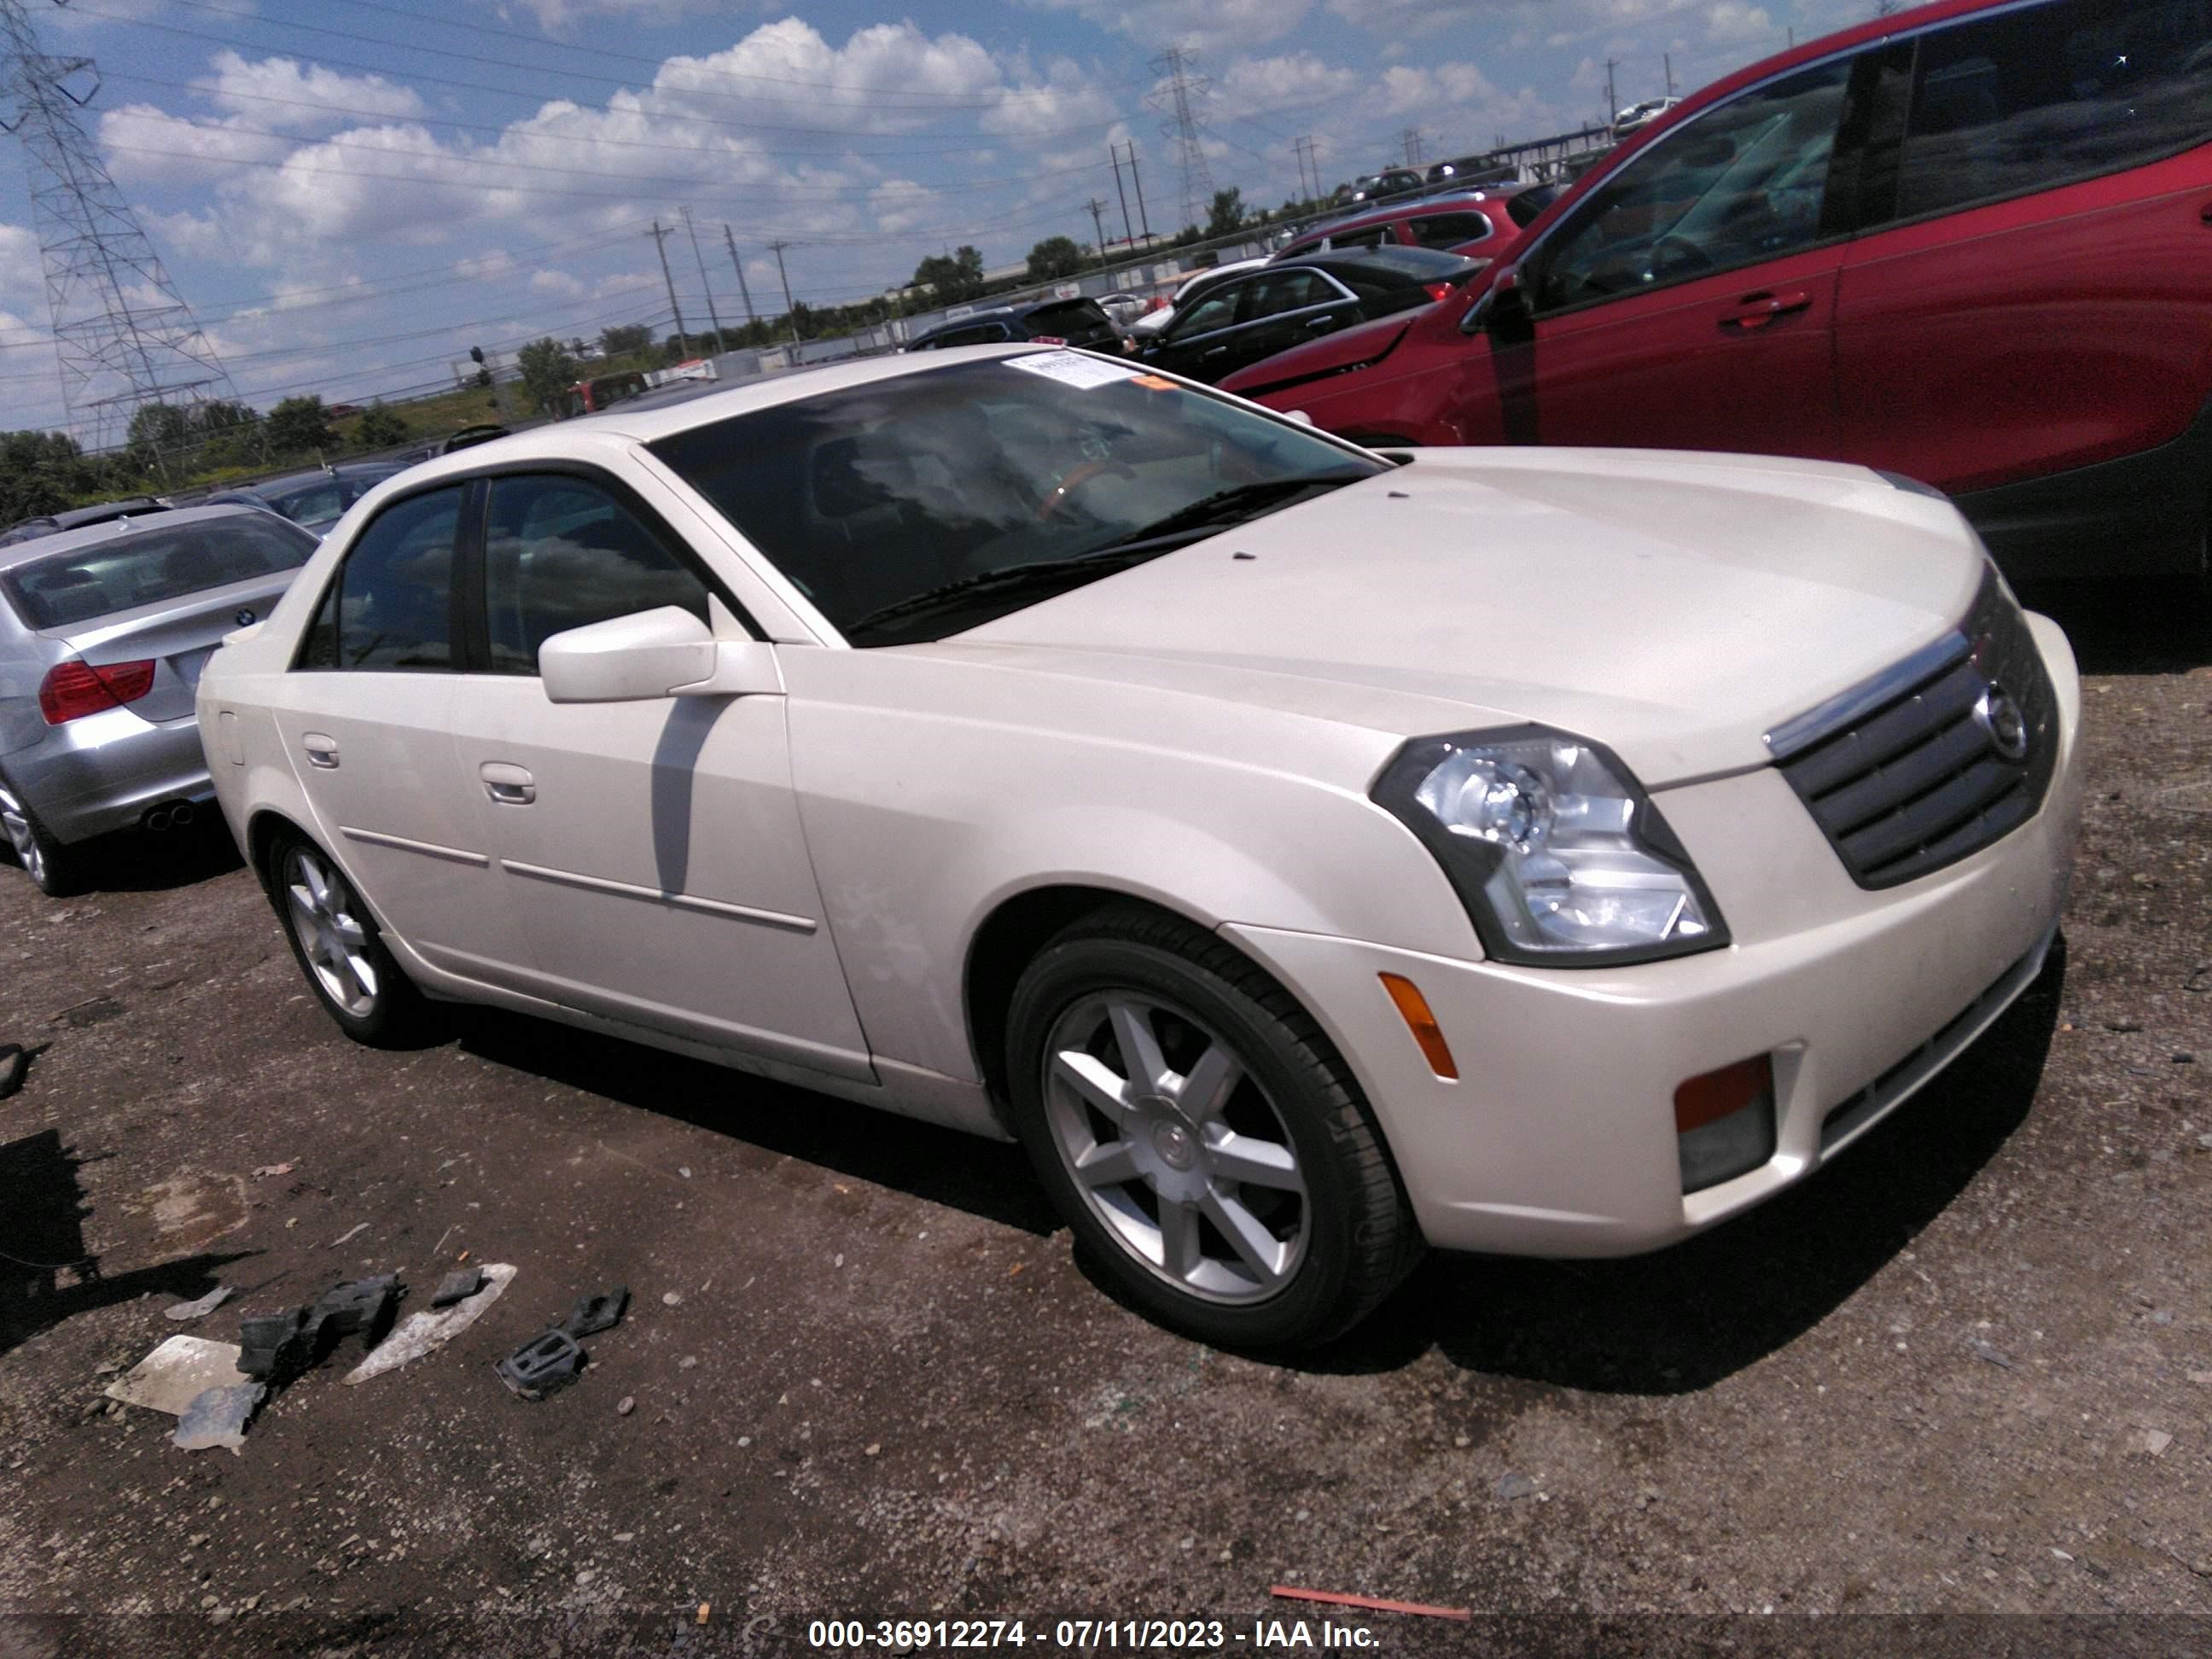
x: 1058, y: 322
x: 1155, y: 322
x: 1968, y: 244
x: 1381, y: 186
x: 1636, y: 117
x: 314, y: 501
x: 103, y: 632
x: 1469, y: 172
x: 1307, y: 859
x: 80, y: 517
x: 1256, y: 313
x: 466, y: 438
x: 1479, y: 223
x: 1123, y: 310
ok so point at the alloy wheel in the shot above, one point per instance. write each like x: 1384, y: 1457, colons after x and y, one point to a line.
x: 325, y: 921
x: 1175, y: 1147
x: 15, y: 819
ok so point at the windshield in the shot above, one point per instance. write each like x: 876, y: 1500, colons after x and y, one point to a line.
x: 153, y: 566
x: 870, y: 496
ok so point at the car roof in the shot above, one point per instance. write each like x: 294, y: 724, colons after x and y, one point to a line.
x: 1415, y: 207
x: 96, y: 535
x: 626, y: 422
x: 344, y: 470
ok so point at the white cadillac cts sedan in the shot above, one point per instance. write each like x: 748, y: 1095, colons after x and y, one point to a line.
x: 1308, y: 857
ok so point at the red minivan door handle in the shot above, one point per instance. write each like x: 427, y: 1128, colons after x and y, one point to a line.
x: 1758, y: 310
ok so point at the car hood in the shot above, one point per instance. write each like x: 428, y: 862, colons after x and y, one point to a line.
x: 1674, y: 607
x: 1332, y: 353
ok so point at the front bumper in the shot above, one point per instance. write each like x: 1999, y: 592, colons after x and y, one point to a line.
x: 1558, y: 1137
x: 102, y: 772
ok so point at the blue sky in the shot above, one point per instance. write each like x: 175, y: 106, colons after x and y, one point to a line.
x: 351, y: 192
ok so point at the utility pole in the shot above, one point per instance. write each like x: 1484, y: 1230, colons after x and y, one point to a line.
x: 712, y: 316
x: 1129, y: 231
x: 744, y: 288
x: 1176, y: 100
x: 1300, y: 147
x: 789, y: 309
x: 1412, y: 138
x: 1611, y: 102
x: 661, y: 246
x: 1136, y: 180
x: 1098, y: 226
x: 1667, y: 58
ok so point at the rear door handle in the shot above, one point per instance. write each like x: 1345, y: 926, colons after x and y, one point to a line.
x: 1320, y: 324
x: 322, y: 751
x: 1758, y: 310
x: 510, y: 786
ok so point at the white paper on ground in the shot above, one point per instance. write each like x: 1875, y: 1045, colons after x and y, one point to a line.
x: 177, y: 1373
x: 424, y: 1333
x: 1073, y: 369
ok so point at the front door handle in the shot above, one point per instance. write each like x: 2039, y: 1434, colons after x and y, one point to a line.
x: 510, y: 786
x: 1758, y: 310
x: 1218, y: 351
x: 322, y: 751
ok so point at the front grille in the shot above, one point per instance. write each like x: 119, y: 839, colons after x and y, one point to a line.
x: 1904, y: 774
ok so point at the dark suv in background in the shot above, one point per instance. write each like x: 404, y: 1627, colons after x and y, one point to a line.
x: 1068, y: 322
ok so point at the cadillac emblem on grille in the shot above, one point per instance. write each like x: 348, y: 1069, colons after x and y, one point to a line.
x: 2002, y: 723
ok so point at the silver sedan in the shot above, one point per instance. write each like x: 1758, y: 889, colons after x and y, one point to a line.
x: 102, y: 634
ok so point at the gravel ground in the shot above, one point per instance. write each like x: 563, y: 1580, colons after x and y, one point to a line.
x: 1965, y: 1370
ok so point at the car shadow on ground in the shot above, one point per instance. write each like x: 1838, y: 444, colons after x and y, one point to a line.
x: 1683, y: 1318
x: 46, y: 1275
x: 135, y: 861
x: 2129, y: 626
x: 986, y: 1178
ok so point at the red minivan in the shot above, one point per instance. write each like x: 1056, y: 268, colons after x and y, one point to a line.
x: 1970, y: 243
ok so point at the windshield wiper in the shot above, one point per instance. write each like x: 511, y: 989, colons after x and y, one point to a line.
x: 1041, y: 573
x: 1238, y: 504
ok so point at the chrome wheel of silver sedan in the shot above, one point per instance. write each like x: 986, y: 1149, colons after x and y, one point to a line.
x: 1175, y: 1145
x: 16, y: 821
x: 324, y: 915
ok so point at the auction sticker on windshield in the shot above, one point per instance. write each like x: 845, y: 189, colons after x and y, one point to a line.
x: 1072, y: 369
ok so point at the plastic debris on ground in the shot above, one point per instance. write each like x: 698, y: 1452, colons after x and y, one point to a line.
x: 592, y: 1313
x: 218, y: 1417
x: 205, y: 1306
x: 421, y: 1334
x: 458, y: 1287
x: 548, y: 1361
x: 14, y: 1063
x: 177, y: 1373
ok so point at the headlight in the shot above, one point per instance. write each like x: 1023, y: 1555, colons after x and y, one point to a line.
x: 1558, y: 856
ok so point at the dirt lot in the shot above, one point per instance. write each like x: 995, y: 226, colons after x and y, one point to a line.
x: 1968, y: 1369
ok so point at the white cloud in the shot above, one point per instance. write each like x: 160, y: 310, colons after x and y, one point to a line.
x: 22, y: 277
x: 1220, y: 25
x: 1255, y: 85
x: 280, y: 93
x: 900, y: 205
x: 556, y: 284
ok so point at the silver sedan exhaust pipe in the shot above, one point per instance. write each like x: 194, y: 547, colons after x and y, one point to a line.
x: 170, y: 815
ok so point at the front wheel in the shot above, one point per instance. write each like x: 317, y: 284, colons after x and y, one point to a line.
x: 1201, y: 1136
x: 339, y: 949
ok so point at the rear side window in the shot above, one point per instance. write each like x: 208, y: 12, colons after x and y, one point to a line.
x: 1289, y: 290
x: 153, y: 567
x: 391, y: 608
x: 1449, y: 229
x: 982, y: 334
x: 1078, y: 322
x: 1373, y: 236
x: 562, y: 553
x: 1217, y: 310
x: 2032, y: 99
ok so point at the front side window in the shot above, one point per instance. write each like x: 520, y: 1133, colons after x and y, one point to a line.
x: 561, y: 552
x: 1743, y: 183
x: 1217, y: 310
x: 153, y: 566
x: 921, y: 506
x: 391, y: 608
x: 2028, y: 99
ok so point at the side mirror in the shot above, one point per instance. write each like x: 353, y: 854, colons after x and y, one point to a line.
x: 1299, y: 416
x: 668, y: 653
x: 1502, y: 311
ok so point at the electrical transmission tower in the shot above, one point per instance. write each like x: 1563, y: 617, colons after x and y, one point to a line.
x: 123, y: 335
x: 1175, y: 101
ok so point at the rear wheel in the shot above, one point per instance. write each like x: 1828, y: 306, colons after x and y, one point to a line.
x: 340, y: 950
x: 56, y: 870
x: 1202, y: 1136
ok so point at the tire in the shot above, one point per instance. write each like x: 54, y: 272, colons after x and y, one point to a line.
x: 340, y: 951
x: 1244, y: 1198
x: 56, y: 870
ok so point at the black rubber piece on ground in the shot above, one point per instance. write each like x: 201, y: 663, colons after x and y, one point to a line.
x: 458, y: 1286
x: 548, y: 1361
x: 596, y: 1313
x: 14, y: 1063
